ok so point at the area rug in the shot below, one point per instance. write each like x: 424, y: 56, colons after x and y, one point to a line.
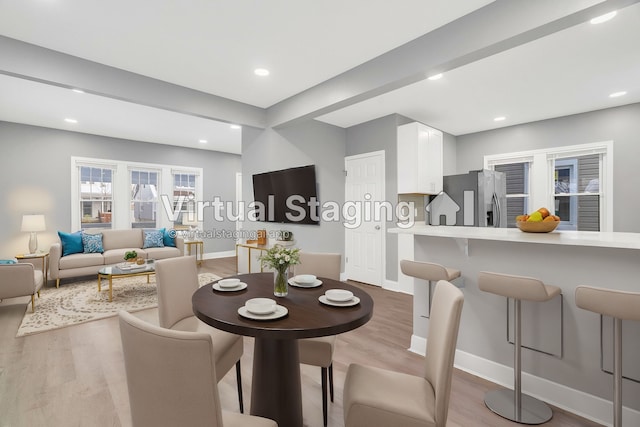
x: 80, y: 302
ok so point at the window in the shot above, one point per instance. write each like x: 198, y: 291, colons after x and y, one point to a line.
x: 575, y: 182
x: 121, y: 194
x: 144, y: 198
x: 184, y: 196
x: 517, y: 179
x: 96, y: 196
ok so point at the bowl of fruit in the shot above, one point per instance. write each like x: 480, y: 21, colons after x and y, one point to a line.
x: 540, y: 221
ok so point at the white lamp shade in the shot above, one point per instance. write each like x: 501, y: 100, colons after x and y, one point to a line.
x: 33, y: 223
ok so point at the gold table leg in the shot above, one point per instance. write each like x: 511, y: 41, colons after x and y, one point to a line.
x: 110, y: 288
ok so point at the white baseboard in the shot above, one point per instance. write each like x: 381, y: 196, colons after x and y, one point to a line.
x: 214, y: 255
x: 575, y: 401
x: 395, y: 286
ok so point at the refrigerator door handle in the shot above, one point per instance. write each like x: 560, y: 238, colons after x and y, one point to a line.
x: 498, y: 214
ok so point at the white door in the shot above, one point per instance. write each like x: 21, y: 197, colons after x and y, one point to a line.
x: 365, y: 236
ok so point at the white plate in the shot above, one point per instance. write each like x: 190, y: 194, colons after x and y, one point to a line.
x: 280, y: 312
x: 353, y: 301
x: 305, y: 285
x: 239, y: 287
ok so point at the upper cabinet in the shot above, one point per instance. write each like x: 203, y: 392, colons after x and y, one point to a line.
x: 419, y: 159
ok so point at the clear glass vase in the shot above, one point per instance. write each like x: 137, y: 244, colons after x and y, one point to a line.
x: 280, y: 282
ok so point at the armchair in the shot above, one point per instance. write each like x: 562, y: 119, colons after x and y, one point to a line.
x: 18, y: 280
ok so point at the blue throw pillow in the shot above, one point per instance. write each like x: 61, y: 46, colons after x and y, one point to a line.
x: 92, y: 243
x: 71, y: 243
x: 169, y: 237
x: 8, y: 261
x: 153, y: 239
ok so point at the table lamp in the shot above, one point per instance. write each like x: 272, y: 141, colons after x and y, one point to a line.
x: 33, y: 224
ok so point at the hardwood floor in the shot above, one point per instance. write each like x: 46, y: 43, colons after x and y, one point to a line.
x: 75, y: 376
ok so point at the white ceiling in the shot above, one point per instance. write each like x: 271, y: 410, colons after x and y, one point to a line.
x: 213, y: 46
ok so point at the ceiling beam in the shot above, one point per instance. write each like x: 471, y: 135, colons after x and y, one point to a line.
x: 35, y: 63
x: 495, y: 28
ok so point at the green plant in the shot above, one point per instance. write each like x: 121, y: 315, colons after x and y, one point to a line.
x: 130, y: 255
x: 280, y: 257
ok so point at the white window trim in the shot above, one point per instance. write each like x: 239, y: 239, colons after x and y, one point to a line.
x: 541, y: 185
x: 121, y: 188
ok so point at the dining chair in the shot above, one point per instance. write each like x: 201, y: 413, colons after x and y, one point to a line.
x: 319, y: 351
x: 375, y: 397
x: 177, y: 280
x: 171, y: 378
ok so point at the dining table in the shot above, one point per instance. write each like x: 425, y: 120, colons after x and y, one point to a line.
x: 276, y: 387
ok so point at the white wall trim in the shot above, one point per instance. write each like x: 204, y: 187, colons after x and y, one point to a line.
x: 395, y: 286
x: 215, y: 255
x: 575, y: 401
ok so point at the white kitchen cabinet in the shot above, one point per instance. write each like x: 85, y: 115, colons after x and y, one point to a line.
x: 419, y: 159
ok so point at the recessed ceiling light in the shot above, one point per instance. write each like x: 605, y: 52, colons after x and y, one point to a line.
x: 261, y: 72
x: 617, y: 94
x: 70, y: 120
x: 499, y: 119
x: 435, y: 77
x: 202, y: 141
x: 603, y: 18
x: 235, y: 126
x: 77, y: 90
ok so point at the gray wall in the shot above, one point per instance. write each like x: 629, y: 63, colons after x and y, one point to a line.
x: 305, y: 143
x: 620, y: 125
x: 381, y: 135
x: 35, y: 168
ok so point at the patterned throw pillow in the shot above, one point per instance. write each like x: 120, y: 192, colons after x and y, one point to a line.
x: 92, y: 243
x: 153, y: 239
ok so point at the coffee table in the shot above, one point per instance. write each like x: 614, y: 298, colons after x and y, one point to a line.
x: 121, y: 270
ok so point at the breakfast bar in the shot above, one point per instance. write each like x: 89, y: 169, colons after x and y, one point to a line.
x: 565, y: 370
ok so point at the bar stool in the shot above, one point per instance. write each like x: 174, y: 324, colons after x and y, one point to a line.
x: 512, y: 404
x: 621, y: 306
x: 428, y: 271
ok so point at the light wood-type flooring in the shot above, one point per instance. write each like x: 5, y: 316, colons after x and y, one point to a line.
x: 74, y: 377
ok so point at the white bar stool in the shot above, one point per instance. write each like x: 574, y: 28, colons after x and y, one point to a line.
x: 428, y: 271
x: 621, y: 306
x: 512, y: 404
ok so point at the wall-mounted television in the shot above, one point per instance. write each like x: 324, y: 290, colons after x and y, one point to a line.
x: 297, y: 185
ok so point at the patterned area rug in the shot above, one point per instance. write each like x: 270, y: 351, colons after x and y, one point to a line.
x: 80, y: 302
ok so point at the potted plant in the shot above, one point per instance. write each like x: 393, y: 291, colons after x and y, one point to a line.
x: 280, y: 258
x: 284, y: 238
x: 130, y: 256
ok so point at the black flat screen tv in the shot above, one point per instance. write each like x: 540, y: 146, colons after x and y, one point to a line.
x: 287, y: 191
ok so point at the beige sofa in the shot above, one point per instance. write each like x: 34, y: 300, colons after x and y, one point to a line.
x: 115, y: 243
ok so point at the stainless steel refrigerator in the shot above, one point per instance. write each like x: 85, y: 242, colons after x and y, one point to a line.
x: 481, y: 197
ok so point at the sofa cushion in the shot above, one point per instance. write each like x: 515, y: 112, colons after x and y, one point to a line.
x: 153, y: 239
x: 169, y: 237
x: 120, y: 239
x: 114, y: 256
x: 80, y: 260
x: 92, y: 243
x: 162, y: 253
x: 71, y: 243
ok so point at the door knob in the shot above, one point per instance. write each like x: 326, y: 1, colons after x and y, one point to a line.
x: 377, y: 227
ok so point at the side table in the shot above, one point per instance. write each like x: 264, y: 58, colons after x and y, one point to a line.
x: 199, y: 245
x: 44, y: 259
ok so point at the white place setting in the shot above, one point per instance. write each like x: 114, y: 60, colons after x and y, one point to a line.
x: 229, y: 285
x: 305, y: 281
x: 339, y: 298
x: 262, y: 309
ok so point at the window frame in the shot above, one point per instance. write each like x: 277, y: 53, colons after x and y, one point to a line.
x: 541, y: 173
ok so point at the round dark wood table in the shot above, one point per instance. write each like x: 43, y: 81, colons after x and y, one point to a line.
x: 275, y: 390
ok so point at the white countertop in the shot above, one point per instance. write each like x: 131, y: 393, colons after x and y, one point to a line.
x: 570, y: 238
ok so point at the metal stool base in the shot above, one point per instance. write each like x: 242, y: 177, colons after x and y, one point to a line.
x: 533, y: 411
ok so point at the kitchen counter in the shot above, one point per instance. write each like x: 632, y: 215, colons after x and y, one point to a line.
x: 570, y: 375
x: 573, y: 238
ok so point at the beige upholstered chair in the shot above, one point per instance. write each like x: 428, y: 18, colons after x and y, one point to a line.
x: 428, y: 271
x: 319, y: 351
x: 19, y: 280
x: 177, y: 280
x: 621, y: 306
x: 513, y: 404
x: 375, y: 397
x: 171, y: 377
